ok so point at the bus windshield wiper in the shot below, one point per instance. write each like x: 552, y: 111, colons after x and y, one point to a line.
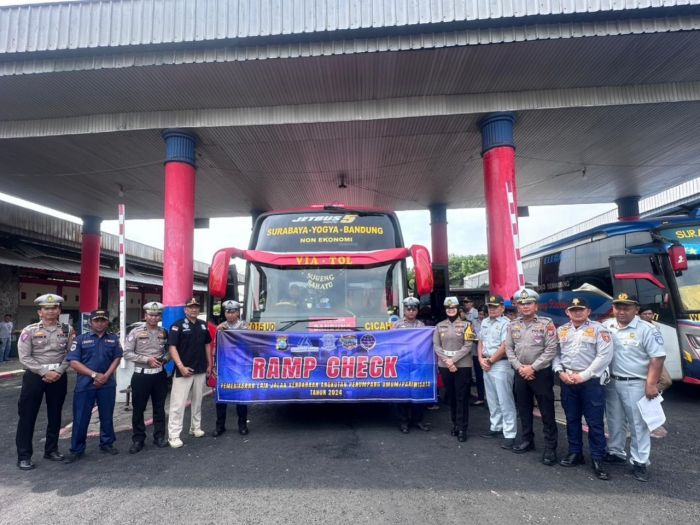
x: 291, y: 323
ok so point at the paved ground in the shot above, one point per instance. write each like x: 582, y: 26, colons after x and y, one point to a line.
x: 319, y: 464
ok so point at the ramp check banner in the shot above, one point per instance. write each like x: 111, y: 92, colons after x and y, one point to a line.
x: 288, y: 367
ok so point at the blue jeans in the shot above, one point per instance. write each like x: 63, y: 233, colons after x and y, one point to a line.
x: 82, y: 412
x: 5, y: 349
x: 588, y: 400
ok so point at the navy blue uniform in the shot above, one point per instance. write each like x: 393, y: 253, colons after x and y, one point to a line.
x: 96, y: 353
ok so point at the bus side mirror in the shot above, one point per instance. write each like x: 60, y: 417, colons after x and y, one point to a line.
x: 424, y: 270
x: 678, y: 257
x: 218, y: 271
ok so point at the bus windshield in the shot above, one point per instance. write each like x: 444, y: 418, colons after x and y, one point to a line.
x: 688, y: 283
x: 323, y: 298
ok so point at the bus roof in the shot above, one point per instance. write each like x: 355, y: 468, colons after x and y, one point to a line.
x: 618, y: 228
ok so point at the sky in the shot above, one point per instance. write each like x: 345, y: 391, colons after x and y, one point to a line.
x: 466, y: 228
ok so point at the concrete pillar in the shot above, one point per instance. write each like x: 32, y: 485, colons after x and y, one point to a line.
x: 438, y: 233
x: 628, y: 208
x: 500, y: 192
x: 178, y: 272
x: 90, y: 264
x: 254, y: 214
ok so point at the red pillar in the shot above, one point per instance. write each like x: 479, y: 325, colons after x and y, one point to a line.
x: 438, y: 230
x: 498, y: 152
x: 90, y: 264
x: 178, y: 273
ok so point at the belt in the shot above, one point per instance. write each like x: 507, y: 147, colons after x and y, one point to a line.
x: 139, y: 370
x: 52, y: 367
x: 620, y: 378
x: 571, y: 371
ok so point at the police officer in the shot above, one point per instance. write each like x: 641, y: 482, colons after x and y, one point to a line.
x: 232, y: 312
x: 498, y: 374
x: 146, y: 348
x: 189, y: 341
x: 638, y: 358
x: 95, y: 356
x: 42, y: 349
x: 531, y: 344
x: 453, y: 342
x: 410, y: 413
x: 584, y: 355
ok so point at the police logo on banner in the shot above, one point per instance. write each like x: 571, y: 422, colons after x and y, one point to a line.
x: 368, y: 341
x: 349, y: 342
x: 281, y: 343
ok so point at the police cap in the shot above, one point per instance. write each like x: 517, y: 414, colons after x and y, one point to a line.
x: 411, y: 301
x: 624, y: 298
x: 99, y: 314
x: 154, y: 307
x: 450, y: 302
x: 495, y: 300
x: 577, y: 303
x: 193, y: 302
x: 231, y: 306
x: 526, y: 296
x: 48, y: 299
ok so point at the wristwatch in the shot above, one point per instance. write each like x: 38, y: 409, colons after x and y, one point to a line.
x: 93, y: 375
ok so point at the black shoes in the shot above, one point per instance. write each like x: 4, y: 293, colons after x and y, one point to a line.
x: 571, y: 460
x: 523, y: 446
x: 403, y: 428
x: 599, y: 470
x: 25, y: 464
x: 136, y: 447
x: 454, y: 431
x: 462, y: 436
x: 243, y: 430
x: 109, y: 450
x: 549, y: 457
x: 72, y: 458
x: 218, y: 432
x: 160, y: 443
x: 54, y: 455
x: 507, y: 443
x: 639, y: 471
x: 425, y: 427
x: 612, y: 458
x: 491, y: 434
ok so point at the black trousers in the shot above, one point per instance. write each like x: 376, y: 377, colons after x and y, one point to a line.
x: 30, y: 397
x: 143, y: 387
x: 541, y: 388
x: 411, y: 413
x: 241, y: 412
x: 457, y: 394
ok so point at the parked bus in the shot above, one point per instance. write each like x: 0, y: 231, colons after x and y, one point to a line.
x: 327, y: 267
x: 656, y: 259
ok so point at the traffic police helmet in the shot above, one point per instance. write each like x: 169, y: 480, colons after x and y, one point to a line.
x: 451, y: 302
x: 193, y: 302
x: 411, y: 301
x: 48, y: 299
x: 231, y: 306
x: 153, y: 308
x: 526, y: 296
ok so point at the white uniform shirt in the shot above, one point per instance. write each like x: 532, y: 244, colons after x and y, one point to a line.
x: 633, y: 347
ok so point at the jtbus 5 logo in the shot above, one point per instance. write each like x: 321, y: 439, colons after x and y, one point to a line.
x: 327, y: 219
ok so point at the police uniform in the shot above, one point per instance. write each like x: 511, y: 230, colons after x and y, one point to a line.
x: 142, y: 344
x: 634, y: 346
x: 585, y: 350
x: 221, y: 408
x: 534, y: 342
x: 454, y: 339
x: 97, y: 353
x: 190, y: 338
x: 498, y: 381
x: 42, y: 349
x: 410, y: 413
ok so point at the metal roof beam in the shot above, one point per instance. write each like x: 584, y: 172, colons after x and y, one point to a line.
x: 397, y: 108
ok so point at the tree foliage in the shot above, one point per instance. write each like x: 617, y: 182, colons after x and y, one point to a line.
x: 459, y: 266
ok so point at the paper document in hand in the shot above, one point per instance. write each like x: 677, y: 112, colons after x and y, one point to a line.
x: 652, y: 412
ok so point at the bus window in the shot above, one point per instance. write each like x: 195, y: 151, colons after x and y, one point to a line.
x: 689, y: 285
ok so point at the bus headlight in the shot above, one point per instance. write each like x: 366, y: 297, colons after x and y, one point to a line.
x: 694, y: 341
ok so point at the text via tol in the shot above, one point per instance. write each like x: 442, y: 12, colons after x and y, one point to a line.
x: 308, y: 260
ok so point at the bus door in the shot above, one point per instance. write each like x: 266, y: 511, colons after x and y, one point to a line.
x: 643, y: 276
